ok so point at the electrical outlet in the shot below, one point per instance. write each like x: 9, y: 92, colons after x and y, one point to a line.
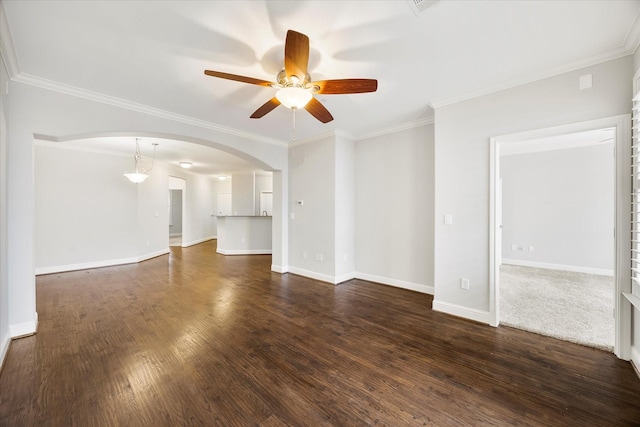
x: 530, y: 248
x: 514, y: 247
x: 304, y: 255
x: 464, y: 283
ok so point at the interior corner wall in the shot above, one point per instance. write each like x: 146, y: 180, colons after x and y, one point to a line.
x: 152, y: 226
x: 201, y: 201
x: 344, y: 209
x: 462, y: 134
x: 561, y: 204
x: 394, y: 203
x: 5, y: 335
x: 312, y: 206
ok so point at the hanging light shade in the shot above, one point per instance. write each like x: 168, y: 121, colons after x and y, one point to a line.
x: 140, y: 173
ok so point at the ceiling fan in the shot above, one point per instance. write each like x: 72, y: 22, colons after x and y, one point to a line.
x: 294, y: 84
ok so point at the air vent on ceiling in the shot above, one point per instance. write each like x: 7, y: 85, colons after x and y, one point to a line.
x: 418, y: 6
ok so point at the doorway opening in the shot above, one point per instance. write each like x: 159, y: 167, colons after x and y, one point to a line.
x: 177, y: 190
x: 557, y: 212
x: 620, y: 129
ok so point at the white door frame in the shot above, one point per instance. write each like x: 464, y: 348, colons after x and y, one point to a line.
x: 622, y: 269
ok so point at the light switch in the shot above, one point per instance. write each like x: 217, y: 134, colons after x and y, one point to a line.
x: 448, y: 219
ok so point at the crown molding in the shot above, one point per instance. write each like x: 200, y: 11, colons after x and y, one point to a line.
x: 632, y: 39
x: 140, y: 108
x: 397, y: 128
x: 594, y: 60
x: 325, y: 135
x: 7, y: 50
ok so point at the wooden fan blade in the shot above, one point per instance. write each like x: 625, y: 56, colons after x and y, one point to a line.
x: 318, y: 111
x: 238, y: 78
x: 265, y: 108
x: 296, y: 55
x: 333, y: 87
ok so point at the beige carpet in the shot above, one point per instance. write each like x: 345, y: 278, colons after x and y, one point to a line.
x: 575, y: 307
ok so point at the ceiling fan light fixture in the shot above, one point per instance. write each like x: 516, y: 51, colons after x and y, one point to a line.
x: 294, y: 97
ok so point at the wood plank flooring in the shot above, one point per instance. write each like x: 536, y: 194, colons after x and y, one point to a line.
x: 197, y: 338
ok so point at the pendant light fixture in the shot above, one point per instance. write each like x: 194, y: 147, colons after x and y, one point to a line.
x: 140, y: 173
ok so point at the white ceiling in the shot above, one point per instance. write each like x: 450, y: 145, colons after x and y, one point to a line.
x: 154, y: 53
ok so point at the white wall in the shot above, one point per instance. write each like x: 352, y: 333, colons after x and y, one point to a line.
x: 86, y: 210
x: 561, y: 203
x: 345, y: 192
x: 243, y: 191
x: 394, y: 195
x: 201, y: 202
x: 312, y: 230
x: 462, y: 133
x: 5, y: 335
x: 263, y: 183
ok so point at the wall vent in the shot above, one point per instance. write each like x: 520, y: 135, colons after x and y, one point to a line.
x: 418, y: 6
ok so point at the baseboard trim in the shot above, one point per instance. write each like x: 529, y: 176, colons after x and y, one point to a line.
x: 464, y: 312
x: 344, y: 278
x: 244, y: 251
x: 196, y: 242
x: 279, y: 268
x: 548, y: 266
x: 312, y: 275
x: 24, y: 329
x: 85, y: 265
x: 635, y: 360
x: 4, y: 348
x: 425, y: 289
x: 153, y: 255
x: 99, y: 264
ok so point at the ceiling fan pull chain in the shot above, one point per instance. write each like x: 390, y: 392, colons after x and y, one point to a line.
x: 293, y: 132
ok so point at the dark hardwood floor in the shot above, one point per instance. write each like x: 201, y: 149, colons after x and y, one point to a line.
x: 197, y: 338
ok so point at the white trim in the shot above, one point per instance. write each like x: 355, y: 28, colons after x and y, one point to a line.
x: 198, y: 241
x: 153, y: 255
x: 622, y: 124
x: 7, y: 49
x: 244, y: 251
x: 425, y: 289
x: 133, y: 106
x: 85, y: 265
x: 99, y: 264
x: 326, y: 135
x: 632, y: 40
x: 594, y: 60
x: 560, y: 267
x: 635, y: 359
x: 464, y: 312
x: 280, y: 268
x: 397, y: 128
x: 312, y: 275
x: 24, y: 329
x: 4, y: 348
x: 344, y: 278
